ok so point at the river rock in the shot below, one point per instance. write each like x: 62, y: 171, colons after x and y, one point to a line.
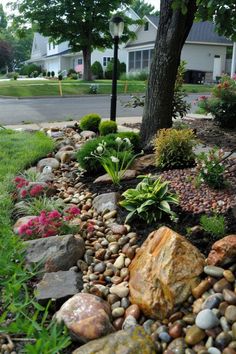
x: 214, y: 271
x: 229, y: 296
x: 223, y: 251
x: 129, y: 174
x: 194, y: 335
x: 120, y: 290
x: 133, y: 340
x: 55, y: 253
x: 206, y: 319
x: 59, y: 285
x: 86, y: 316
x: 163, y: 272
x: 88, y: 134
x: 230, y: 314
x: 106, y: 202
x: 50, y: 161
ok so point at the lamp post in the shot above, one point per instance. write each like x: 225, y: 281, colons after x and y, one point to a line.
x: 116, y: 29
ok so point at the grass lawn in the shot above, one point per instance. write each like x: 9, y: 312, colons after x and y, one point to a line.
x: 23, y: 88
x: 19, y: 314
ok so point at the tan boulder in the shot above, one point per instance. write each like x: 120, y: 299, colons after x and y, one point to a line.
x: 129, y: 174
x: 86, y: 316
x: 163, y: 272
x: 223, y: 251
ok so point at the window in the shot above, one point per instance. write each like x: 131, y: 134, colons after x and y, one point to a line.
x: 80, y: 61
x: 49, y: 45
x: 106, y: 60
x: 138, y: 55
x: 146, y: 26
x: 131, y: 61
x: 145, y: 59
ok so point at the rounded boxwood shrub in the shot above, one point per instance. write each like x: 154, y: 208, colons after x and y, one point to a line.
x: 107, y: 127
x: 97, y: 70
x: 174, y: 148
x: 90, y: 122
x: 91, y: 165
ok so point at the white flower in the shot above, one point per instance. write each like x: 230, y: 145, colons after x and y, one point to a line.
x: 127, y: 141
x: 114, y: 159
x: 99, y: 149
x: 220, y: 202
x: 205, y: 171
x: 119, y: 140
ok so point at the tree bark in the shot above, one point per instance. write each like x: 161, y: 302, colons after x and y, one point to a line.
x: 87, y: 74
x: 173, y: 29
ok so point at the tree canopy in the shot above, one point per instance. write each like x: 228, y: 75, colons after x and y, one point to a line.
x: 142, y: 8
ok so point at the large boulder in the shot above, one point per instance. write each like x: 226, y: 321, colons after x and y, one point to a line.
x: 56, y: 252
x: 49, y: 161
x: 163, y: 272
x: 223, y: 251
x: 132, y: 341
x: 106, y: 202
x: 86, y: 316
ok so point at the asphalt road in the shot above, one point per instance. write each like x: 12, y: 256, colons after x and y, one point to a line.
x: 17, y: 111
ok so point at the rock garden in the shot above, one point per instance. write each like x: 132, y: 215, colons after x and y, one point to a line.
x: 128, y: 252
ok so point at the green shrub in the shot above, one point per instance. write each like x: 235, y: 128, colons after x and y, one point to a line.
x: 53, y: 73
x: 93, y: 89
x: 97, y: 70
x: 90, y: 121
x: 91, y: 165
x: 214, y: 225
x: 107, y: 127
x: 222, y: 103
x: 121, y: 68
x: 48, y: 74
x: 30, y: 69
x: 174, y: 148
x: 71, y: 72
x: 149, y: 200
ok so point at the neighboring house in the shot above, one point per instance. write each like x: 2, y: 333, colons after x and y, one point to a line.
x: 204, y: 51
x: 60, y: 58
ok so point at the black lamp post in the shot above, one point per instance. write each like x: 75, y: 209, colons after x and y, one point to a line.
x: 116, y: 30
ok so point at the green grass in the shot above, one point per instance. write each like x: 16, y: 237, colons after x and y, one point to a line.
x: 28, y: 318
x: 24, y: 88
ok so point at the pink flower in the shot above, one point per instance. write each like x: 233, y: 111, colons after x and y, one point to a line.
x: 23, y: 193
x: 54, y: 214
x: 36, y: 190
x: 74, y: 210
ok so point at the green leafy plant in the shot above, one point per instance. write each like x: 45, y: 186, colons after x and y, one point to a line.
x: 210, y: 168
x: 214, y: 225
x: 93, y: 89
x: 36, y: 205
x: 179, y: 105
x: 90, y: 164
x: 115, y: 164
x: 90, y: 122
x: 222, y: 103
x: 107, y: 127
x: 97, y: 70
x: 149, y: 200
x: 174, y: 148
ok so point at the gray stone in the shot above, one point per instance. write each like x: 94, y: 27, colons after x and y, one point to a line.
x: 134, y: 340
x: 129, y: 322
x: 106, y: 202
x: 214, y: 271
x: 55, y: 253
x: 128, y: 174
x: 212, y: 301
x: 50, y: 161
x: 59, y: 285
x: 88, y: 134
x: 206, y: 319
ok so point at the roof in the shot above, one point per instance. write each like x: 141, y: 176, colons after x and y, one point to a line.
x: 200, y: 32
x: 67, y: 51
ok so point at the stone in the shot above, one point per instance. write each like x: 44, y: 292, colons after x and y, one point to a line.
x: 163, y: 273
x: 129, y: 174
x: 229, y: 296
x: 214, y: 271
x: 118, y: 312
x: 133, y: 340
x: 133, y: 310
x: 194, y: 335
x: 230, y: 314
x: 86, y: 316
x: 213, y: 350
x: 223, y: 251
x: 46, y: 177
x: 58, y: 285
x: 175, y: 330
x: 222, y: 340
x: 50, y: 161
x: 99, y: 267
x: 120, y: 290
x: 206, y: 319
x: 88, y: 134
x: 22, y: 221
x: 118, y: 229
x: 55, y: 253
x: 201, y: 288
x: 143, y: 162
x: 221, y: 284
x: 229, y: 276
x: 106, y: 202
x: 178, y: 346
x: 129, y: 321
x: 120, y: 261
x: 212, y: 301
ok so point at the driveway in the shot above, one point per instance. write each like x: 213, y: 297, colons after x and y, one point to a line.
x: 16, y: 111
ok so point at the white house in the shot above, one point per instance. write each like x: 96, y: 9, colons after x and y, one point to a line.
x: 60, y: 58
x: 204, y: 50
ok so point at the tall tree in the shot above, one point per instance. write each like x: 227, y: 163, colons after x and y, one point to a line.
x: 3, y: 19
x: 5, y: 54
x: 84, y: 23
x: 176, y: 19
x: 142, y: 8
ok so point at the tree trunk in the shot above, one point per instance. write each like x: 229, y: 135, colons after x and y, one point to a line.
x: 173, y: 29
x: 87, y: 75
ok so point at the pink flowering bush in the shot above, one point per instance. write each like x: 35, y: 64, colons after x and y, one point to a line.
x: 49, y: 224
x: 22, y: 185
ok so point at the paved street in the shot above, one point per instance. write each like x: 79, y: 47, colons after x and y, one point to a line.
x: 16, y: 111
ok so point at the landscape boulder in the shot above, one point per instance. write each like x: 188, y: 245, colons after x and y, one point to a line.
x: 163, y: 272
x: 129, y: 174
x: 55, y: 253
x: 223, y: 251
x: 106, y: 202
x: 49, y: 161
x: 132, y: 341
x: 86, y: 316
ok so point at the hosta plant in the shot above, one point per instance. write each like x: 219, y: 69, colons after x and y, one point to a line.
x: 149, y: 200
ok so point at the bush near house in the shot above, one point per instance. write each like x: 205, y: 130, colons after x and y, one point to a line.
x: 90, y: 122
x: 121, y: 68
x: 30, y: 69
x: 97, y: 70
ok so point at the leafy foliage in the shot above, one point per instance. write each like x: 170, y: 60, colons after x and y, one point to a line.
x: 30, y: 69
x: 142, y: 8
x: 36, y: 205
x: 90, y: 164
x: 222, y: 103
x: 97, y: 70
x: 121, y: 68
x: 149, y: 200
x: 107, y: 127
x: 214, y: 225
x: 174, y: 148
x: 179, y: 105
x: 90, y: 121
x: 5, y: 53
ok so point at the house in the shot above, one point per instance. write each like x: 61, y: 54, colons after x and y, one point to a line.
x: 204, y: 51
x: 60, y: 58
